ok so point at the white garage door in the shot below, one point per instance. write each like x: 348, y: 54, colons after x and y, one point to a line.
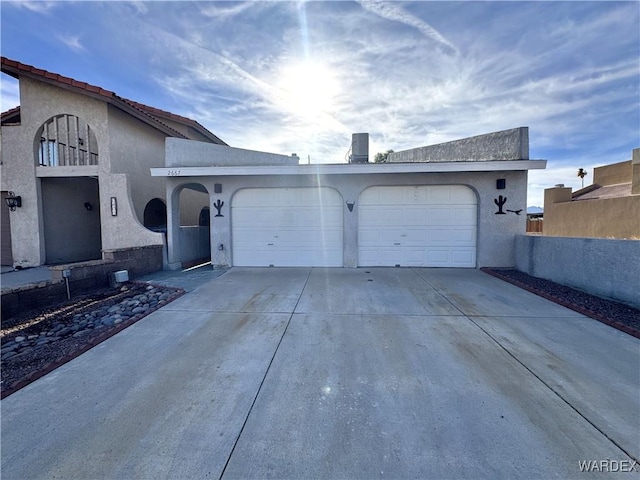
x: 426, y: 226
x: 288, y: 227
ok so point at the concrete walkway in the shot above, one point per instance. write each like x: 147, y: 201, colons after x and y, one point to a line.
x: 337, y: 373
x: 14, y: 278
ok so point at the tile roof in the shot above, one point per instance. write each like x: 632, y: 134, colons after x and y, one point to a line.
x: 152, y: 115
x: 602, y: 192
x: 171, y: 116
x: 14, y: 68
x: 11, y: 116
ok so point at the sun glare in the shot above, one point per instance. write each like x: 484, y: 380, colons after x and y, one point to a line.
x: 308, y: 88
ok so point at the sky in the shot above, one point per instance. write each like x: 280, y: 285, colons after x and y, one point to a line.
x: 301, y: 77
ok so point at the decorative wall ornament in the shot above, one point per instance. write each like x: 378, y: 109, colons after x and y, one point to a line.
x: 218, y: 206
x: 517, y: 212
x: 500, y: 201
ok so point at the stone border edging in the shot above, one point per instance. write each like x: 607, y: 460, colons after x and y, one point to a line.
x: 588, y: 313
x: 48, y: 368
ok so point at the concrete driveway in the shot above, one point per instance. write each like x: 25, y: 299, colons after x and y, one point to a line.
x: 338, y: 373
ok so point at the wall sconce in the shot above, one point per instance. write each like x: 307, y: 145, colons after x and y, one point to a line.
x: 88, y: 206
x: 350, y: 206
x: 13, y: 202
x: 114, y: 206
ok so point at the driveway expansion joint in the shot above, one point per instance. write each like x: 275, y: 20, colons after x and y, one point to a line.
x: 555, y: 392
x: 266, y: 372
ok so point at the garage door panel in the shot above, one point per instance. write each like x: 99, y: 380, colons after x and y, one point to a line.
x: 463, y: 256
x: 379, y: 257
x: 419, y: 226
x: 451, y: 236
x: 465, y: 216
x: 287, y: 227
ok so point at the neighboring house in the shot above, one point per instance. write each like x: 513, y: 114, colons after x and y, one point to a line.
x: 457, y: 204
x: 79, y: 156
x: 610, y: 208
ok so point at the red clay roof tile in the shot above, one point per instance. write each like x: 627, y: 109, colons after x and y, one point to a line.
x: 10, y: 67
x: 13, y: 112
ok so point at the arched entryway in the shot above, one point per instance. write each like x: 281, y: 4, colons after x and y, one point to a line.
x: 189, y: 232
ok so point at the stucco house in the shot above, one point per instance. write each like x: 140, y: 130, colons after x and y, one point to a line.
x: 457, y: 204
x: 93, y: 170
x: 609, y: 208
x: 77, y: 157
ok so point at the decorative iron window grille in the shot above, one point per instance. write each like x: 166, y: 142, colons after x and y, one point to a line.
x: 66, y: 140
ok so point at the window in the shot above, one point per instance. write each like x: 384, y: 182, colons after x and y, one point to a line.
x: 66, y: 140
x: 48, y: 155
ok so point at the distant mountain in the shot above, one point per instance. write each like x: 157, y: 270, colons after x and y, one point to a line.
x: 534, y: 210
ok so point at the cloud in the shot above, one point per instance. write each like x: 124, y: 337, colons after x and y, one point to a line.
x: 567, y: 70
x: 391, y: 11
x: 33, y: 6
x: 224, y: 10
x: 73, y: 42
x: 139, y: 6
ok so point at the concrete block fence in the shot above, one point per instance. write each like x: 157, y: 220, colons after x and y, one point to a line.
x: 604, y: 267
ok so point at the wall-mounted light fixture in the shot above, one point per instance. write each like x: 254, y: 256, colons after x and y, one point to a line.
x: 88, y: 206
x: 13, y: 202
x: 114, y: 206
x: 501, y: 184
x: 350, y: 206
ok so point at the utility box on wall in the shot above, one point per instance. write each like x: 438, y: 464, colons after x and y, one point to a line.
x: 119, y: 277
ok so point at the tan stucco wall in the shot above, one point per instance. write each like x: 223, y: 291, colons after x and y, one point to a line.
x: 123, y: 230
x: 134, y: 148
x: 612, y: 174
x: 189, y: 132
x: 597, y: 218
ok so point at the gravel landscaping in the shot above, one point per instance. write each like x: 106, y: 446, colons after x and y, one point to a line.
x: 36, y: 342
x: 616, y: 314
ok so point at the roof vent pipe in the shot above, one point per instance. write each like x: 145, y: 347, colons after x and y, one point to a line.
x: 359, y: 148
